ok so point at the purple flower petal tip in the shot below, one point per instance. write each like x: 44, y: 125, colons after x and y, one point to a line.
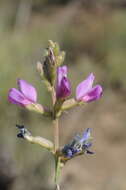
x: 86, y: 135
x: 63, y: 70
x: 86, y: 93
x: 94, y: 94
x: 84, y: 87
x: 24, y: 96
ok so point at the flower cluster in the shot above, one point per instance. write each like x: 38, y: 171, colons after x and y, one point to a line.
x: 54, y: 76
x: 27, y: 94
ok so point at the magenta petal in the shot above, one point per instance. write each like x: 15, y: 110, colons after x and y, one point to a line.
x: 64, y: 89
x: 94, y: 94
x: 28, y: 90
x: 84, y: 87
x: 61, y: 72
x: 16, y: 97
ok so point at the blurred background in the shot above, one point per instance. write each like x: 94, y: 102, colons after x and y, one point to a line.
x: 93, y: 34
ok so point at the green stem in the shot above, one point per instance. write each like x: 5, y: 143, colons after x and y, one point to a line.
x: 55, y: 122
x: 56, y: 134
x: 56, y: 140
x: 57, y: 169
x: 53, y: 96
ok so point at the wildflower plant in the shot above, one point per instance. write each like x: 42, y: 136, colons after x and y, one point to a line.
x: 54, y: 75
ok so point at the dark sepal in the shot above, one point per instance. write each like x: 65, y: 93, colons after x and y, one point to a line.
x: 89, y: 152
x: 23, y: 131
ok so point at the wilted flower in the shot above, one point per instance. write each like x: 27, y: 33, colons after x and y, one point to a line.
x: 63, y: 88
x: 86, y: 93
x: 24, y: 96
x: 25, y: 134
x: 78, y: 145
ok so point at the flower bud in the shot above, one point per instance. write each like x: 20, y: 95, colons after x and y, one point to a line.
x: 40, y: 69
x: 55, y: 47
x: 60, y: 58
x: 63, y: 87
x: 49, y: 67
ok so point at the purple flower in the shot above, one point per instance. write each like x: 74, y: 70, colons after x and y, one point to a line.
x: 24, y: 96
x: 79, y: 145
x: 86, y: 93
x: 63, y: 88
x: 86, y: 135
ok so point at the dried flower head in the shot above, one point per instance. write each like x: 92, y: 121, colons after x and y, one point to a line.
x: 79, y: 145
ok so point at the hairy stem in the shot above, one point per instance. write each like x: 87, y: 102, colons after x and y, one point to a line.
x: 55, y: 123
x: 56, y: 139
x: 53, y: 96
x: 56, y: 134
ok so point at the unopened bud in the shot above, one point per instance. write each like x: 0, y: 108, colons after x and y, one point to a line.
x: 51, y: 44
x: 49, y: 70
x: 56, y: 49
x: 60, y: 58
x: 51, y: 56
x: 39, y: 68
